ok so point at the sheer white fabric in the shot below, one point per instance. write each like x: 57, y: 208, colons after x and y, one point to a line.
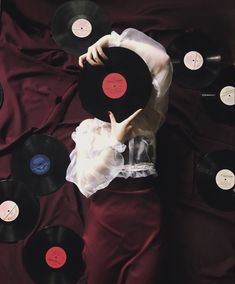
x: 98, y: 157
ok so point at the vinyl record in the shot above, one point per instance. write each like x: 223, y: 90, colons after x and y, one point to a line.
x: 215, y: 179
x: 78, y: 24
x: 19, y: 211
x: 122, y: 85
x: 195, y: 59
x: 1, y: 96
x: 54, y: 256
x: 219, y: 97
x: 41, y: 162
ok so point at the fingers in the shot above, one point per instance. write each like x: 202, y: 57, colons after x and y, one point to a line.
x: 96, y: 57
x: 91, y: 54
x: 101, y: 53
x: 81, y: 59
x: 111, y: 116
x: 133, y: 115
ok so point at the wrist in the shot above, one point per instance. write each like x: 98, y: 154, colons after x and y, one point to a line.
x: 114, y: 143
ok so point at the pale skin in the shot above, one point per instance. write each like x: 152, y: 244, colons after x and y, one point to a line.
x: 94, y: 56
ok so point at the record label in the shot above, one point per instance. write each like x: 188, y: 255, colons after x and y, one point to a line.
x: 114, y: 85
x: 215, y: 179
x: 193, y: 60
x: 227, y: 95
x: 196, y: 60
x: 225, y: 179
x: 77, y: 25
x: 122, y: 85
x: 81, y: 28
x: 56, y: 257
x: 219, y: 97
x: 40, y: 164
x: 19, y: 211
x: 9, y: 211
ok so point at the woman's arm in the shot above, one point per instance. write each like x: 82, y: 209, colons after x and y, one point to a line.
x: 95, y: 163
x: 158, y: 62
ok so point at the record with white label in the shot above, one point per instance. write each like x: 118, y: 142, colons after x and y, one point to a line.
x: 41, y: 162
x: 215, y: 179
x: 19, y: 211
x: 219, y: 97
x: 54, y: 256
x: 196, y: 60
x: 78, y: 24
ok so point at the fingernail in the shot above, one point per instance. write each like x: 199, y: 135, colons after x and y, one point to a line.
x: 108, y: 112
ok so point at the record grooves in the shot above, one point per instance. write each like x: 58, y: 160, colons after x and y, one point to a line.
x: 196, y: 60
x: 78, y: 24
x: 54, y: 256
x: 19, y: 211
x: 41, y: 162
x: 215, y: 179
x: 122, y: 85
x: 219, y: 97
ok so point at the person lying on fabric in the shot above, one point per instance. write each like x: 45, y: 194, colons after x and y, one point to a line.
x: 113, y: 163
x: 98, y: 156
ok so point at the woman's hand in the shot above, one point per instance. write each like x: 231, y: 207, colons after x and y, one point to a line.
x: 95, y: 52
x: 121, y: 130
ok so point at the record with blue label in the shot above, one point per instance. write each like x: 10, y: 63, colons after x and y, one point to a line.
x: 41, y: 162
x: 219, y: 97
x: 19, y: 211
x: 196, y: 60
x: 54, y: 256
x: 122, y: 85
x: 215, y: 177
x: 1, y: 95
x: 78, y: 24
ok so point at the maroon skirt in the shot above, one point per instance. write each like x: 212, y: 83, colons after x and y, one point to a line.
x: 122, y: 234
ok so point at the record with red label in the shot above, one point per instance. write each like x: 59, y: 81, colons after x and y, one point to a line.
x: 215, y: 174
x: 78, y: 24
x: 219, y: 97
x: 122, y: 85
x: 196, y: 60
x: 19, y: 211
x: 54, y: 256
x: 41, y: 162
x: 1, y: 95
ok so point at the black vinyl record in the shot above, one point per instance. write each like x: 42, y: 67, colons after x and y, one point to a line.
x: 19, y: 211
x: 1, y: 95
x: 219, y: 97
x: 41, y: 162
x: 78, y: 24
x: 215, y: 179
x: 122, y: 85
x: 54, y: 256
x: 195, y: 59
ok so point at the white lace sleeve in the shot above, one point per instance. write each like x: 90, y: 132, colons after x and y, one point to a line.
x: 158, y: 62
x: 93, y: 165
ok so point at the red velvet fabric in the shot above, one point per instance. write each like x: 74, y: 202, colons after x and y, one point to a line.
x: 122, y: 233
x: 40, y: 96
